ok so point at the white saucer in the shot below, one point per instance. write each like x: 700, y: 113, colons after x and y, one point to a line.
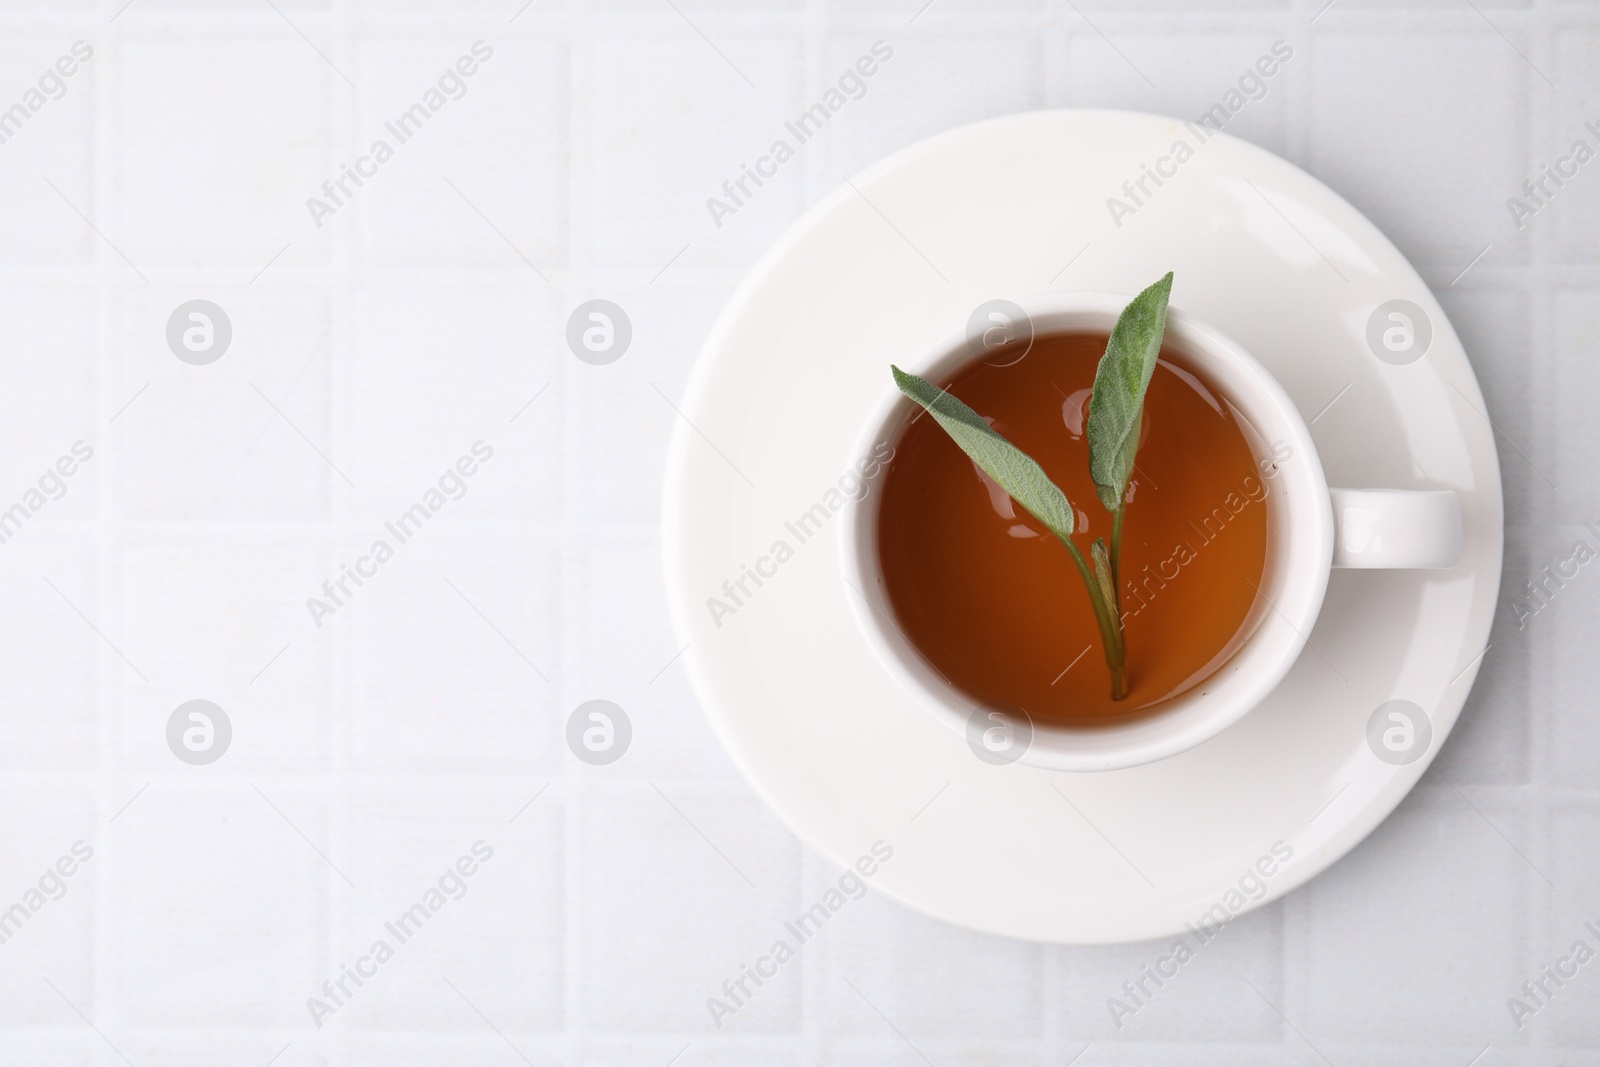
x: 892, y: 262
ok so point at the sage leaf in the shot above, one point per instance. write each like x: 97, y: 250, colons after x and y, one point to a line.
x: 1015, y: 471
x: 1116, y: 405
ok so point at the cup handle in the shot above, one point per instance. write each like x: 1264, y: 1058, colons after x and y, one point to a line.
x: 1388, y: 529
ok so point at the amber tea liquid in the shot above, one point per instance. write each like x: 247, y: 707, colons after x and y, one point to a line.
x: 993, y: 600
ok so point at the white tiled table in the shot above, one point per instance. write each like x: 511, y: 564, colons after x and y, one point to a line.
x: 368, y: 354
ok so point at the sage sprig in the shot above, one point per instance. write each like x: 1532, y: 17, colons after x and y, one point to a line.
x: 1116, y: 415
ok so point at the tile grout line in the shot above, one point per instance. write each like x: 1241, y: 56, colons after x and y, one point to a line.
x: 111, y: 712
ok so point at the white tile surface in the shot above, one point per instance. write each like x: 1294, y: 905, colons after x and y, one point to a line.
x: 371, y: 352
x: 213, y: 899
x: 214, y: 175
x: 1452, y: 166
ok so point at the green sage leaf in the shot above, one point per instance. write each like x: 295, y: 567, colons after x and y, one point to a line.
x: 1013, y: 469
x: 1116, y: 405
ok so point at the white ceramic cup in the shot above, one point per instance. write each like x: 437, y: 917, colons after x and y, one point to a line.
x: 1310, y: 529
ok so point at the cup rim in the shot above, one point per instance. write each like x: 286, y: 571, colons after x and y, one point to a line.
x: 1280, y: 627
